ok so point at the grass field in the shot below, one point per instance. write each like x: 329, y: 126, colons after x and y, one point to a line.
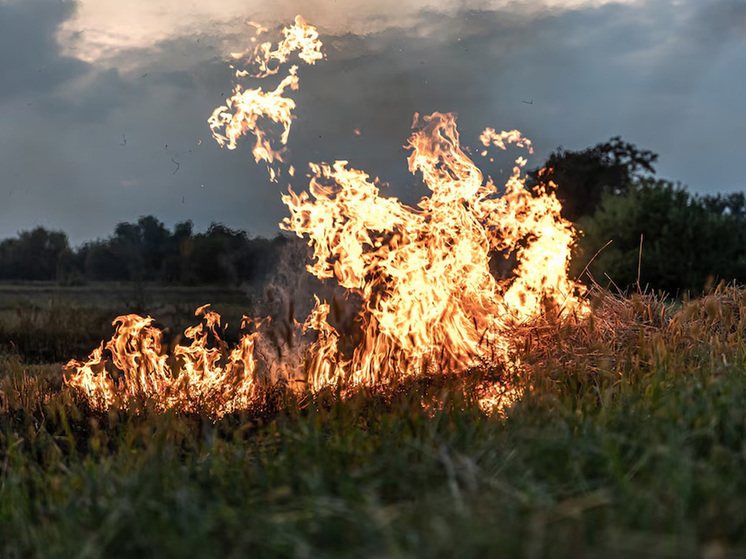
x: 630, y: 441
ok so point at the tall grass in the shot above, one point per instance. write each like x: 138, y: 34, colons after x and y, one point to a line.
x: 629, y: 441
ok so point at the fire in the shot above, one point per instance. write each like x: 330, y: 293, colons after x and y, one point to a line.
x: 423, y: 273
x: 244, y: 112
x: 198, y: 377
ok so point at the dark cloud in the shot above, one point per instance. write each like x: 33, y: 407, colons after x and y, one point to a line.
x: 480, y: 64
x: 98, y: 143
x: 720, y: 21
x: 30, y: 62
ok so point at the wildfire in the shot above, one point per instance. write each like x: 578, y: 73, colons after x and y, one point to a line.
x: 424, y: 272
x: 430, y: 300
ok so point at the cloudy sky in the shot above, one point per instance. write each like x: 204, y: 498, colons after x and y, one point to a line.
x: 103, y: 105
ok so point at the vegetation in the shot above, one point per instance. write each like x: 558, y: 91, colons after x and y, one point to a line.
x: 629, y: 441
x: 674, y: 241
x: 660, y: 234
x: 145, y: 251
x: 45, y: 322
x: 584, y: 176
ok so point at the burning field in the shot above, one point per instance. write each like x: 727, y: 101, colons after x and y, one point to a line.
x: 459, y: 394
x: 429, y: 301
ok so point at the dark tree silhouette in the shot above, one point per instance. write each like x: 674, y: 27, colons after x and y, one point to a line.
x: 583, y: 176
x: 35, y: 255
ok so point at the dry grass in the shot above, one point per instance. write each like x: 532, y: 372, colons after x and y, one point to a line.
x: 629, y: 441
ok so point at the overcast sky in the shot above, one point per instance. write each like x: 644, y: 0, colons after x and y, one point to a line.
x: 103, y: 105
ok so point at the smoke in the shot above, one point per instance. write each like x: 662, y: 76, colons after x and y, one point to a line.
x: 288, y: 300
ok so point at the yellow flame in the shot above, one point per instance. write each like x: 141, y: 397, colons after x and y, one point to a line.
x: 247, y: 109
x: 424, y: 272
x: 299, y: 37
x: 430, y: 300
x: 198, y: 377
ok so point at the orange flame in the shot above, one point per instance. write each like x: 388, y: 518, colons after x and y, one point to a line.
x: 246, y: 109
x: 424, y: 273
x: 430, y: 300
x: 195, y: 378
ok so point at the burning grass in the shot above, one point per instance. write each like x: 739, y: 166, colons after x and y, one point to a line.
x: 422, y: 274
x: 45, y: 323
x: 628, y: 441
x: 470, y: 416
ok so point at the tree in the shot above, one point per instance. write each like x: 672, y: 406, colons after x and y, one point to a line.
x: 688, y: 242
x: 35, y: 255
x: 154, y: 246
x: 175, y: 266
x: 216, y: 256
x: 103, y: 262
x: 582, y: 177
x: 143, y: 247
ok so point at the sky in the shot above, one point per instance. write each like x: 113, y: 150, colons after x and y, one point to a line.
x: 104, y: 105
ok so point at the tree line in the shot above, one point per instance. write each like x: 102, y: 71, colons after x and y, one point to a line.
x: 639, y: 231
x: 145, y: 251
x: 636, y: 231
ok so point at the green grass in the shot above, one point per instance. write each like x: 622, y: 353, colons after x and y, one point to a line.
x: 629, y: 442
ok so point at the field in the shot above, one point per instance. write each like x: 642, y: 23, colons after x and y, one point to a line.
x: 630, y: 441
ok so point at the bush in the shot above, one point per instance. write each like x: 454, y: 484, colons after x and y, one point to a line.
x: 688, y: 242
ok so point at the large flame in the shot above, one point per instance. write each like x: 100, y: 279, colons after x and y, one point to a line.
x: 430, y: 300
x: 424, y: 273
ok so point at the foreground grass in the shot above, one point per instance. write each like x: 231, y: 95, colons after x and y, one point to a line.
x: 630, y: 441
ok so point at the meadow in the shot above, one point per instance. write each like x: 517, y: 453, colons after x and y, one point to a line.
x: 629, y: 441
